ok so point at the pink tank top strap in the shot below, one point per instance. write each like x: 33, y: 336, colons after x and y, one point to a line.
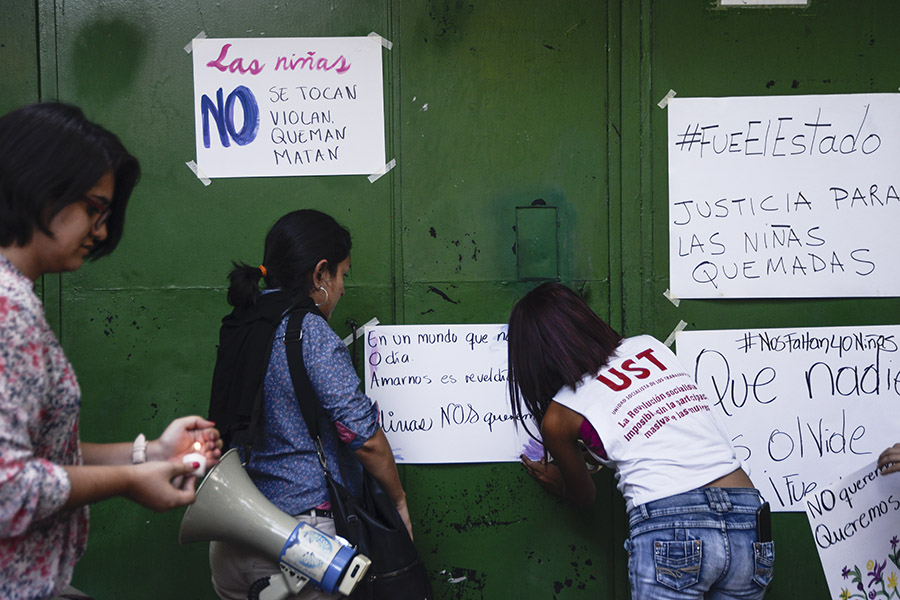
x: 589, y: 436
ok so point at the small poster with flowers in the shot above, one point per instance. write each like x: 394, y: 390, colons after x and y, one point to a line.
x: 855, y: 523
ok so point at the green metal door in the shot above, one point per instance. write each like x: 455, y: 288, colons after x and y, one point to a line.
x: 528, y: 145
x: 504, y: 141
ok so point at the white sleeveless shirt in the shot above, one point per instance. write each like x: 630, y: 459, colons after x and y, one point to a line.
x: 660, y: 431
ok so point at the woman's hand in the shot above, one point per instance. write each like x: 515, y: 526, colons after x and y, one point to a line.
x: 889, y: 461
x: 180, y: 436
x: 547, y: 474
x: 404, y: 515
x: 377, y: 458
x: 161, y: 486
x: 568, y: 476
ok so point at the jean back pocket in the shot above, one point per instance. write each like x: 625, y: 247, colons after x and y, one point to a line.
x: 764, y: 559
x: 678, y: 563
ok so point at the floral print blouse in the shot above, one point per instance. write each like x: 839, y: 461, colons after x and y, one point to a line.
x: 39, y: 405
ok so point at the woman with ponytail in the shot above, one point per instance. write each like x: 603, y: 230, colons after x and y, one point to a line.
x: 306, y: 257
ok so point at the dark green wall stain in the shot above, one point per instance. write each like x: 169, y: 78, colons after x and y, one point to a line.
x: 106, y: 58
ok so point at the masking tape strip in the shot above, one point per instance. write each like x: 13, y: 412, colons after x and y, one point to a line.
x: 672, y: 299
x: 386, y: 43
x: 678, y: 329
x: 200, y: 174
x: 377, y: 174
x: 190, y: 44
x: 349, y: 339
x: 665, y: 101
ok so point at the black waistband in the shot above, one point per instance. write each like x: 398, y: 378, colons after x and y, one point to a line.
x: 316, y: 512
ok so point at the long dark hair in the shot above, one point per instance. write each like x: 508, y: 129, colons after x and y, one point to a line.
x: 50, y: 157
x: 555, y: 339
x: 294, y: 246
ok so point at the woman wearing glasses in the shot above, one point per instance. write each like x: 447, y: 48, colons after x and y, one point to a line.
x: 64, y: 185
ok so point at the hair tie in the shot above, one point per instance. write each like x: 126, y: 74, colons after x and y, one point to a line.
x: 262, y: 270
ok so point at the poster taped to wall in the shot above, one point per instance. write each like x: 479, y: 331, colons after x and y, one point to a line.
x: 784, y: 196
x: 804, y: 406
x: 855, y: 523
x: 442, y: 393
x: 275, y: 107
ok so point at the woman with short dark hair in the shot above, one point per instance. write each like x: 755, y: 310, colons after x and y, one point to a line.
x: 50, y: 157
x: 305, y: 260
x: 64, y: 186
x: 628, y: 404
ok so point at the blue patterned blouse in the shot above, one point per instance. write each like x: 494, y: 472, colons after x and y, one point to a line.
x: 285, y: 467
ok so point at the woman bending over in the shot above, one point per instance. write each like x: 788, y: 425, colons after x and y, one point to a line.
x: 630, y: 405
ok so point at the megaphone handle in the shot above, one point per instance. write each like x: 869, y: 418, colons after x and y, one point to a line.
x: 274, y: 587
x: 257, y: 587
x: 277, y: 590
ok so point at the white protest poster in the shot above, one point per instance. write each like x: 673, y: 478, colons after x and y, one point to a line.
x: 442, y: 393
x: 784, y: 196
x: 855, y: 522
x: 273, y: 107
x: 803, y: 406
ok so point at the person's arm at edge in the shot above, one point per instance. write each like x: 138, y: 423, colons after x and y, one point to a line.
x: 108, y: 471
x: 567, y: 476
x: 148, y: 484
x: 106, y: 454
x: 176, y: 441
x: 377, y: 458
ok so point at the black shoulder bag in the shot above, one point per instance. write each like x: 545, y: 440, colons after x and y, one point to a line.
x: 371, y: 523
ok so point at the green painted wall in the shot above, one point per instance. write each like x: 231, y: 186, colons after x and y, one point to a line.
x: 490, y: 107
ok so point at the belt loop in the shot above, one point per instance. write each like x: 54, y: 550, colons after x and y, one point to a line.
x: 637, y: 514
x: 718, y: 499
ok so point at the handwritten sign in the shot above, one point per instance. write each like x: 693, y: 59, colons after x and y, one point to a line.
x: 780, y: 197
x: 803, y: 406
x: 288, y: 106
x: 442, y: 392
x: 855, y: 523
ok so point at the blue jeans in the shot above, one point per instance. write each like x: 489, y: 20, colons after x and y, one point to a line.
x: 699, y: 545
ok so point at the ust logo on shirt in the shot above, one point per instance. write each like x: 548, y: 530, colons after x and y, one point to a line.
x: 631, y: 366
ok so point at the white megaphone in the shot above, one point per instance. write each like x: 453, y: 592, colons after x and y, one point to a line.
x: 229, y: 508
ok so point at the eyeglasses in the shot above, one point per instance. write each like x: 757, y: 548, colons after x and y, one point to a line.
x: 101, y: 210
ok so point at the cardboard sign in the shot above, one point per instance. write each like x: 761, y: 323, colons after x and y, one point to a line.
x: 273, y: 107
x: 855, y: 523
x: 442, y: 392
x: 803, y: 406
x: 784, y: 196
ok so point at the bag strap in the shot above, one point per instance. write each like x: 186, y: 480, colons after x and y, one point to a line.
x: 303, y: 390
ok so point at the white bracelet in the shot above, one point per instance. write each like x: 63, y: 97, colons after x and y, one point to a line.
x: 139, y: 450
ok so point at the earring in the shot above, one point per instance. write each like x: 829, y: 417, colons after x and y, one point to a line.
x: 326, y: 296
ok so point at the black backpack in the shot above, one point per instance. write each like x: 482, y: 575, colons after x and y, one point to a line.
x: 236, y: 402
